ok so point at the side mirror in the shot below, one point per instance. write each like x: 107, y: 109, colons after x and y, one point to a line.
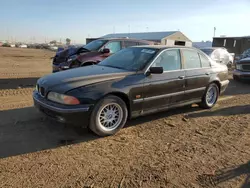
x: 155, y: 70
x: 105, y: 51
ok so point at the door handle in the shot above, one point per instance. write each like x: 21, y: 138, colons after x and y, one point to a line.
x: 207, y: 73
x: 181, y: 77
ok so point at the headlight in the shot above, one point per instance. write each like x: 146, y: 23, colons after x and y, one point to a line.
x: 63, y: 99
x: 238, y: 67
x: 65, y: 67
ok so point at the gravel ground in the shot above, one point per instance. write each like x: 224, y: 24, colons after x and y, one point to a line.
x: 185, y: 147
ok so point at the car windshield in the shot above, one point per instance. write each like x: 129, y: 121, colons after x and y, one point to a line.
x: 132, y: 59
x: 95, y: 45
x: 207, y: 51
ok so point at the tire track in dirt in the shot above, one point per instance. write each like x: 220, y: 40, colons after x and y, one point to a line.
x: 13, y: 92
x: 22, y: 75
x: 16, y: 105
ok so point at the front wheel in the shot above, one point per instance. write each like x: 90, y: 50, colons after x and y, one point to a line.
x: 210, y: 97
x: 236, y: 78
x: 108, y: 116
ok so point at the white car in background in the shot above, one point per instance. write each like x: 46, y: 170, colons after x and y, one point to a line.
x: 23, y: 46
x: 220, y: 55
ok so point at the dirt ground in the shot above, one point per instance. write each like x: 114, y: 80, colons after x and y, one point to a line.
x: 185, y: 147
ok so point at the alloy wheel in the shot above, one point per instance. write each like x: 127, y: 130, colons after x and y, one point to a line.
x: 110, y: 116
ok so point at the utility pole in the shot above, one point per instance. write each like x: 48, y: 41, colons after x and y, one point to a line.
x: 113, y: 29
x: 214, y: 31
x: 129, y: 30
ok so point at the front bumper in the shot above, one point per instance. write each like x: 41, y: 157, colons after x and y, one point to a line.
x: 223, y: 86
x: 242, y: 74
x: 77, y: 115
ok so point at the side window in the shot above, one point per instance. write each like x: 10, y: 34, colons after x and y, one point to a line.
x: 128, y: 43
x: 169, y: 60
x: 204, y: 61
x: 114, y: 46
x: 191, y: 59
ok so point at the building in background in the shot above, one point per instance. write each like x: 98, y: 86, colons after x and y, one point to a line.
x: 236, y: 45
x: 170, y: 38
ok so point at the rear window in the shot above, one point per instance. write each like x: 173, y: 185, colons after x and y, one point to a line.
x: 207, y: 51
x: 191, y: 59
x: 204, y: 61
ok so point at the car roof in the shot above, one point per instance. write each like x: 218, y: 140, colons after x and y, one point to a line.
x: 163, y: 47
x: 213, y: 48
x: 128, y: 39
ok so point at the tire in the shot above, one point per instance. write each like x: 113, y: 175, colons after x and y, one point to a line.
x: 87, y: 64
x: 209, y: 101
x: 236, y: 78
x: 105, y: 127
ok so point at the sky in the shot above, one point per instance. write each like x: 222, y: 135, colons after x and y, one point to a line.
x: 40, y: 21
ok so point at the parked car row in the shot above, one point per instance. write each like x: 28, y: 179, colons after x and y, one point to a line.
x: 134, y: 81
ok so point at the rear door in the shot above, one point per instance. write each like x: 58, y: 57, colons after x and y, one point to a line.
x: 161, y: 90
x: 197, y: 73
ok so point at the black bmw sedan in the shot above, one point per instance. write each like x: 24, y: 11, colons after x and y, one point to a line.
x: 133, y: 82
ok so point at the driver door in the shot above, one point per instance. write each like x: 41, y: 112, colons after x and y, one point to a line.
x: 162, y: 90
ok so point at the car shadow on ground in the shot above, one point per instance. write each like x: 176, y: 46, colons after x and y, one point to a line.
x: 237, y: 87
x: 232, y: 110
x: 26, y: 130
x: 163, y: 114
x: 14, y: 83
x: 227, y: 174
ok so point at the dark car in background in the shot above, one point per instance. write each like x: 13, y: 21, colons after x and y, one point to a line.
x: 245, y: 54
x: 220, y: 55
x: 242, y: 69
x: 133, y: 82
x: 92, y: 53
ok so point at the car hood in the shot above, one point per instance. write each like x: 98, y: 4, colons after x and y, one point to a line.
x: 243, y: 61
x: 64, y: 81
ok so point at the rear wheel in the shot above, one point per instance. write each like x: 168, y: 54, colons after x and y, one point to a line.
x: 108, y: 116
x: 210, y: 97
